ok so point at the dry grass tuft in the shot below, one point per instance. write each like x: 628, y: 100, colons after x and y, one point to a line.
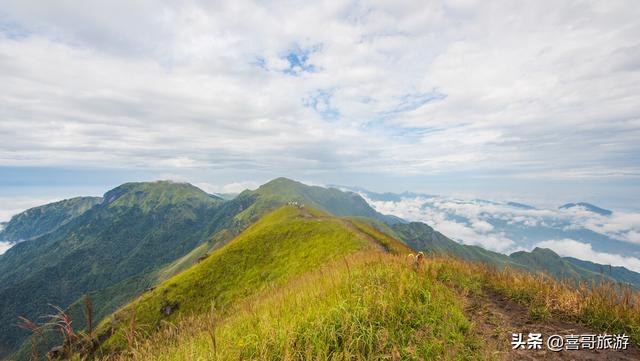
x: 601, y: 305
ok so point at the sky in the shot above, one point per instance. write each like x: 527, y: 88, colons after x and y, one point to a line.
x: 534, y: 101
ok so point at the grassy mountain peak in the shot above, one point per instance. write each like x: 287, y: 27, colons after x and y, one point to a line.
x: 282, y: 244
x: 202, y: 252
x: 282, y: 190
x: 136, y: 229
x: 151, y: 195
x: 141, y: 234
x: 301, y: 284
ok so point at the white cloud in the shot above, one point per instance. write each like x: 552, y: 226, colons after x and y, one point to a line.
x: 482, y: 226
x: 4, y: 246
x: 477, y: 233
x: 10, y: 206
x: 235, y: 187
x: 584, y: 251
x: 480, y: 222
x: 624, y: 226
x: 538, y: 88
x: 620, y: 225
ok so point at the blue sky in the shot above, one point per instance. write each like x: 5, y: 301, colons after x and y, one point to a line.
x: 536, y: 102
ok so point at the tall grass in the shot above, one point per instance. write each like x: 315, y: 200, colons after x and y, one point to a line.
x: 368, y: 306
x: 59, y: 326
x: 37, y: 336
x: 281, y: 246
x: 601, y: 305
x: 378, y: 306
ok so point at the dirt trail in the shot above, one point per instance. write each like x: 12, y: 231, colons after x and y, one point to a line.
x: 496, y: 318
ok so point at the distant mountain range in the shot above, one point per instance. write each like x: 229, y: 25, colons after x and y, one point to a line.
x: 420, y: 236
x: 140, y: 234
x: 588, y: 207
x: 507, y: 227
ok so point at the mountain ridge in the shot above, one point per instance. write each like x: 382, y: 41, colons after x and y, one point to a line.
x: 298, y: 235
x: 37, y: 221
x: 587, y: 206
x: 178, y: 225
x: 107, y: 244
x: 423, y: 237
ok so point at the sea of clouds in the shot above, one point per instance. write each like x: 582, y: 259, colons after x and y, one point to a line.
x: 499, y: 226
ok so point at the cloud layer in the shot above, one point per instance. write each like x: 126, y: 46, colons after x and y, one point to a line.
x: 528, y: 90
x: 584, y: 251
x: 508, y: 227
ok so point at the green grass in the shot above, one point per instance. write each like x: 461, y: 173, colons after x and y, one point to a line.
x: 183, y: 263
x: 368, y: 306
x: 388, y: 243
x: 137, y: 229
x: 149, y: 196
x: 282, y: 190
x: 600, y: 306
x: 141, y: 235
x: 300, y: 284
x: 283, y: 244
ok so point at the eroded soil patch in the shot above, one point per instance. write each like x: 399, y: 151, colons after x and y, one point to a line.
x: 496, y: 318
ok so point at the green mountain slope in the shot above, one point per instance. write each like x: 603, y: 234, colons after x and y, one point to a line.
x: 237, y: 214
x: 422, y: 237
x: 334, y: 201
x: 547, y: 261
x: 141, y: 234
x: 620, y: 274
x: 300, y: 267
x: 40, y: 220
x: 137, y: 227
x: 285, y: 243
x: 302, y: 284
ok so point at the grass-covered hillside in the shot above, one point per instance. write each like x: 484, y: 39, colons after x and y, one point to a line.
x: 138, y: 227
x: 367, y: 305
x: 175, y: 273
x: 372, y: 305
x: 40, y: 220
x: 298, y: 284
x: 301, y: 284
x: 285, y: 243
x: 139, y: 235
x: 283, y: 190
